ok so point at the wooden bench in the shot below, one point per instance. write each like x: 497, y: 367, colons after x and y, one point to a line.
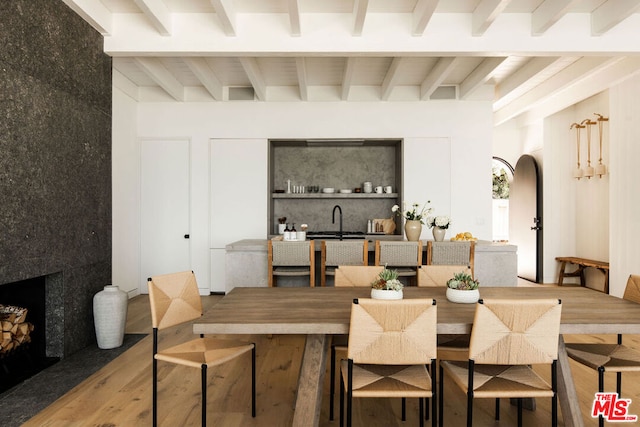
x: 582, y: 263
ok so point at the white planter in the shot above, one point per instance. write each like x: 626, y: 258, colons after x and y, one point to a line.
x: 110, y: 316
x: 463, y: 296
x: 386, y: 294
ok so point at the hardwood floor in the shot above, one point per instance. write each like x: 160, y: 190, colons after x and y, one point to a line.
x: 120, y: 393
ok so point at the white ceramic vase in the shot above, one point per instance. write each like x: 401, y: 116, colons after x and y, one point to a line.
x: 110, y: 316
x: 438, y: 233
x: 467, y: 296
x: 412, y: 229
x: 387, y: 294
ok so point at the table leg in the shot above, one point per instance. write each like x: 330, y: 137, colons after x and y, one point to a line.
x: 567, y: 395
x: 311, y: 381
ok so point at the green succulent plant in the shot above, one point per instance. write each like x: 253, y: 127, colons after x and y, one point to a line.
x: 388, y: 280
x: 462, y: 281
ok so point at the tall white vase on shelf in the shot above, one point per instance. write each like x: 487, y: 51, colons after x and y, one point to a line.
x: 110, y: 316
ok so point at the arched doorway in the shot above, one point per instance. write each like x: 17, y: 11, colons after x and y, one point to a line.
x: 502, y: 176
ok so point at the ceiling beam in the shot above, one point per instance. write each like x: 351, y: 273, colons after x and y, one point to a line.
x: 479, y: 76
x: 301, y: 67
x: 391, y: 78
x: 485, y: 13
x: 359, y: 15
x: 548, y: 13
x: 226, y: 14
x: 156, y: 11
x: 534, y: 67
x: 611, y: 13
x: 422, y: 14
x: 254, y: 74
x: 553, y: 86
x: 294, y: 18
x: 163, y: 77
x: 94, y: 12
x: 347, y: 78
x: 203, y: 72
x: 437, y: 75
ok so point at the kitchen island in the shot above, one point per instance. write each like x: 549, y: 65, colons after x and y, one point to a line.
x: 246, y: 262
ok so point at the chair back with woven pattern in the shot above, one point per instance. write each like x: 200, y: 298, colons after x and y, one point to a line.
x: 356, y: 275
x: 393, y: 332
x: 438, y: 275
x: 451, y: 253
x: 515, y: 332
x: 353, y: 252
x: 632, y: 291
x: 174, y: 299
x: 398, y: 254
x: 291, y: 253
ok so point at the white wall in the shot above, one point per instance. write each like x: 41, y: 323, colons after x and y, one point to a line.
x: 466, y: 124
x: 624, y: 179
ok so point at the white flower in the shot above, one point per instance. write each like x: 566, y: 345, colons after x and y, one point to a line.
x: 442, y: 221
x: 395, y: 208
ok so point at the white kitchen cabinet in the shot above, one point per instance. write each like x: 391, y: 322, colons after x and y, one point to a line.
x: 238, y: 197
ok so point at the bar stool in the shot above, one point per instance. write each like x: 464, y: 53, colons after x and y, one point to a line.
x: 405, y: 257
x: 291, y: 259
x: 335, y: 253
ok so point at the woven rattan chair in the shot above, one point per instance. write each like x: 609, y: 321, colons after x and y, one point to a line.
x: 451, y: 253
x: 508, y: 337
x: 291, y: 259
x: 350, y: 276
x: 335, y: 253
x: 403, y: 256
x: 174, y: 300
x: 391, y: 343
x: 616, y: 358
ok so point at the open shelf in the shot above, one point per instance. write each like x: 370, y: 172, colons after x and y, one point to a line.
x: 335, y: 195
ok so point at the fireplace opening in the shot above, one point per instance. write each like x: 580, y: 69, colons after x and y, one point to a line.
x: 27, y: 359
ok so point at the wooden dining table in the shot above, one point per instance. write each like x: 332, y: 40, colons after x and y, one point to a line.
x: 320, y: 313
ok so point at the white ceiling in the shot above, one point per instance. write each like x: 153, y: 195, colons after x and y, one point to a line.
x: 520, y: 54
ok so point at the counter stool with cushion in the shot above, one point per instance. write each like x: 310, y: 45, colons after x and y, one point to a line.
x: 616, y: 358
x: 291, y: 259
x: 353, y: 276
x: 507, y: 338
x: 341, y: 252
x: 175, y: 299
x: 391, y: 343
x: 403, y: 256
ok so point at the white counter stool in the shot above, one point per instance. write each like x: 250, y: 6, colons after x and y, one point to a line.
x: 403, y: 256
x: 335, y: 253
x: 291, y: 259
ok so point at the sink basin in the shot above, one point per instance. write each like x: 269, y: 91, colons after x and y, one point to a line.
x: 325, y: 235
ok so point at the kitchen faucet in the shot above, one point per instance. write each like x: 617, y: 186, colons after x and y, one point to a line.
x: 333, y: 218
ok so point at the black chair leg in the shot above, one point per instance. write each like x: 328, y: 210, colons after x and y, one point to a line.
x: 341, y: 401
x: 155, y: 393
x: 253, y: 381
x: 404, y: 409
x: 469, y: 408
x: 497, y: 415
x: 441, y: 399
x: 619, y: 383
x: 519, y: 412
x: 332, y: 385
x: 601, y: 390
x: 204, y: 395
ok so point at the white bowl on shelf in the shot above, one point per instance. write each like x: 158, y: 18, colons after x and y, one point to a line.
x: 328, y: 190
x: 345, y: 191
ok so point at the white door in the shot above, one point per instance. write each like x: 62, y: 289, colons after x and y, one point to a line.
x: 164, y: 241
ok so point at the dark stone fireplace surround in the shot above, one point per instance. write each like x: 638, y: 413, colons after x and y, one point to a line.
x: 55, y: 163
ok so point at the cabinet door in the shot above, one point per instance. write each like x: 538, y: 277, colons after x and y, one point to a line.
x: 165, y: 208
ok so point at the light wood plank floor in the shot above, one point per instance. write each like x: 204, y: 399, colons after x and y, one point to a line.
x: 120, y: 393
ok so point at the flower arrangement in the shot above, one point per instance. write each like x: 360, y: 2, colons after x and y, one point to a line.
x: 441, y: 221
x: 413, y: 214
x: 500, y: 184
x: 387, y: 280
x: 462, y: 281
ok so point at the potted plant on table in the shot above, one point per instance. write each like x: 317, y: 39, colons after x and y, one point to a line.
x: 387, y: 285
x: 463, y: 288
